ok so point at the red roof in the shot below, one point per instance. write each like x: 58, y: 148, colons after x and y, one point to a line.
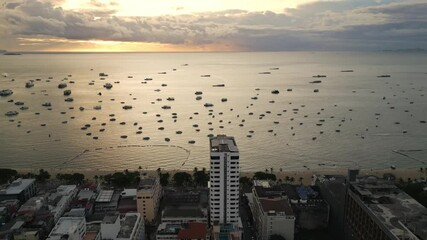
x: 193, y: 231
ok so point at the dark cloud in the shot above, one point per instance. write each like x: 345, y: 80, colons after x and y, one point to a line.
x: 342, y: 25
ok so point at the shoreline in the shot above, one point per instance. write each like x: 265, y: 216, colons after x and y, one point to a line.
x: 306, y: 175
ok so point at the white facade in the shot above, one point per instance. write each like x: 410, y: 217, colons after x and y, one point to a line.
x: 130, y: 227
x: 73, y: 227
x: 224, y: 180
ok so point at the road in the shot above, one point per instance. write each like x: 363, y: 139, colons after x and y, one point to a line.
x: 247, y: 221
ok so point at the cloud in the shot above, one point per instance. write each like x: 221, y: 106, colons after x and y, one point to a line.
x: 339, y: 25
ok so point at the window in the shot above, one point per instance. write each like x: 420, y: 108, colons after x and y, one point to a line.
x: 234, y: 157
x: 215, y: 158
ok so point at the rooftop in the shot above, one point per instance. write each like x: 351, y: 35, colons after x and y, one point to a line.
x: 128, y: 224
x: 168, y: 229
x: 110, y: 219
x: 66, y: 225
x: 17, y: 186
x: 391, y: 206
x: 183, y: 212
x: 105, y: 196
x: 222, y: 143
x: 147, y: 183
x: 274, y: 206
x: 193, y: 231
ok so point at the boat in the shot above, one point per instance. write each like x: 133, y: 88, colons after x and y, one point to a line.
x: 198, y: 93
x: 319, y: 76
x: 265, y: 73
x: 161, y: 73
x: 170, y: 99
x: 348, y: 70
x: 67, y: 92
x: 130, y: 76
x: 206, y: 75
x: 108, y: 85
x: 393, y: 167
x: 274, y: 68
x: 97, y: 107
x: 178, y: 132
x: 167, y: 139
x: 166, y: 107
x: 19, y: 103
x: 124, y: 136
x: 6, y: 92
x: 146, y: 138
x: 69, y: 99
x: 218, y: 85
x: 199, y: 98
x: 138, y: 132
x: 47, y: 104
x: 24, y: 108
x: 29, y: 84
x: 223, y: 99
x: 62, y: 85
x: 316, y: 81
x: 148, y: 79
x: 164, y: 85
x: 5, y: 74
x: 208, y: 105
x: 81, y: 108
x: 126, y: 107
x: 316, y: 90
x: 275, y: 91
x: 11, y: 113
x: 103, y: 74
x: 191, y: 142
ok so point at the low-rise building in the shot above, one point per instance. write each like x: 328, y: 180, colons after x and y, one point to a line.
x: 130, y: 227
x: 272, y: 211
x: 168, y: 231
x: 70, y: 228
x: 226, y: 232
x: 194, y: 231
x: 149, y: 194
x: 21, y: 189
x: 375, y: 209
x: 127, y: 201
x: 185, y: 207
x: 107, y: 201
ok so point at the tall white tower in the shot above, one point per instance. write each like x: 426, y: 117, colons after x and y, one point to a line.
x: 224, y: 180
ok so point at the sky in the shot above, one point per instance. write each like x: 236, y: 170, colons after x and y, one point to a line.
x: 212, y: 25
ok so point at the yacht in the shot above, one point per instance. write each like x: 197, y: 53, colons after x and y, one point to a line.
x: 108, y: 85
x: 275, y: 91
x: 170, y: 99
x: 223, y: 99
x: 97, y: 107
x: 62, y: 85
x: 198, y: 93
x: 67, y: 92
x: 47, y: 104
x: 166, y: 107
x: 6, y: 92
x: 103, y: 74
x: 81, y: 108
x: 29, y: 84
x: 126, y: 107
x: 11, y: 113
x: 208, y: 105
x: 69, y: 99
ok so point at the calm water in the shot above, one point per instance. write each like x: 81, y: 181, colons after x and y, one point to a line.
x: 291, y: 130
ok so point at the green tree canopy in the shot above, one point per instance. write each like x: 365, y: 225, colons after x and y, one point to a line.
x: 201, y: 178
x: 182, y: 179
x: 6, y: 174
x: 276, y: 237
x: 264, y: 176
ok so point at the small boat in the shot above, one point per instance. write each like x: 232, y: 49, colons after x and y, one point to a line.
x: 275, y: 91
x: 166, y: 107
x: 198, y: 93
x: 319, y: 76
x: 130, y: 76
x: 148, y: 79
x: 24, y: 108
x: 138, y: 132
x: 393, y: 167
x: 218, y: 85
x: 47, y: 104
x: 170, y: 99
x: 67, y: 92
x: 81, y: 108
x: 167, y: 139
x: 124, y: 136
x: 317, y: 81
x: 126, y: 107
x: 97, y: 107
x: 146, y: 138
x: 103, y: 74
x: 69, y: 99
x: 5, y: 74
x: 223, y: 99
x: 208, y: 105
x: 265, y: 73
x: 316, y: 90
x: 29, y: 84
x: 205, y: 75
x: 108, y: 85
x: 164, y: 85
x: 274, y: 68
x: 6, y: 92
x: 384, y: 76
x: 191, y: 142
x: 161, y: 73
x: 199, y: 98
x: 62, y: 85
x: 348, y: 70
x: 178, y: 132
x: 11, y: 113
x: 19, y: 103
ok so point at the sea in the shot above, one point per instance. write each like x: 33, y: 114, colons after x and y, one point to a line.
x: 282, y: 114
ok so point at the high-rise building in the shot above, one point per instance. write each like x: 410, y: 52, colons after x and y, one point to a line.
x: 224, y: 180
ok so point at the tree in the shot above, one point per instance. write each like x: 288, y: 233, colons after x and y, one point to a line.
x: 164, y: 179
x: 75, y: 178
x: 264, y: 176
x: 276, y: 237
x: 245, y: 181
x: 42, y: 176
x: 182, y: 179
x: 200, y: 178
x: 7, y: 174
